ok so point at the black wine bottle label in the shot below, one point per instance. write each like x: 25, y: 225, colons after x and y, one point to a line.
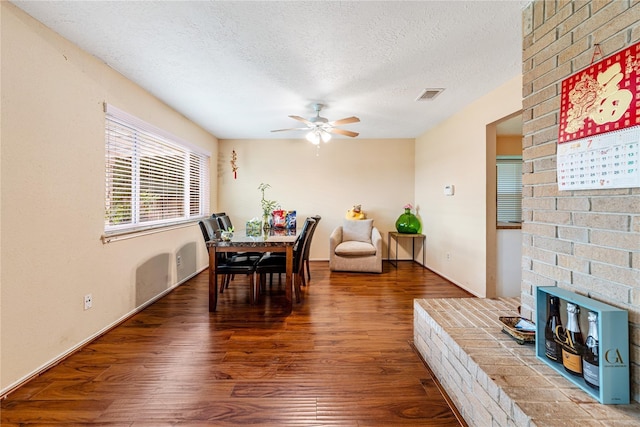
x: 552, y: 350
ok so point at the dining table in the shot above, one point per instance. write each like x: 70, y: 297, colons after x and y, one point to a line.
x: 270, y: 240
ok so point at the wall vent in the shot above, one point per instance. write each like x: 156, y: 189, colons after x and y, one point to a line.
x: 429, y: 94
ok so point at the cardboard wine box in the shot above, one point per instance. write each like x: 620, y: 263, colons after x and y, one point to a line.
x: 613, y: 334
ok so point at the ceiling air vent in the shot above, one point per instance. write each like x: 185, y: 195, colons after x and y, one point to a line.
x: 429, y: 94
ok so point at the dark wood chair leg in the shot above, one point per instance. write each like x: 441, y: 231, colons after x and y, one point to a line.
x: 296, y: 287
x: 256, y: 287
x: 300, y: 274
x: 263, y: 282
x: 225, y: 282
x: 252, y: 289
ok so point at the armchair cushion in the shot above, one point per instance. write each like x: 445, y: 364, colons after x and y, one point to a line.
x: 354, y: 248
x: 357, y: 230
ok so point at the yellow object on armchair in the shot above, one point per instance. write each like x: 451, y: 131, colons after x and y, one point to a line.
x: 355, y: 213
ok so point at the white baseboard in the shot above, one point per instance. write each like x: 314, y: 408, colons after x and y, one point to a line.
x: 456, y: 283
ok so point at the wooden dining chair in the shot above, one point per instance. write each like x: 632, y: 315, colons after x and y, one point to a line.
x: 308, y: 248
x: 228, y: 266
x: 224, y: 223
x: 272, y: 263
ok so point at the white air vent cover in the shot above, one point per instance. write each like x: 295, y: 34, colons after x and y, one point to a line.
x: 429, y: 94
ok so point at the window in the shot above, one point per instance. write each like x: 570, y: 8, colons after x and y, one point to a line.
x: 152, y: 178
x: 509, y: 177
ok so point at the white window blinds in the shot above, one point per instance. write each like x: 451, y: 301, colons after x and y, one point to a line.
x: 152, y: 178
x: 509, y: 180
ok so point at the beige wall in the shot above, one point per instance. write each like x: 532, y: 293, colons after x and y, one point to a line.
x: 457, y: 152
x: 585, y: 241
x: 378, y: 174
x: 52, y: 200
x: 52, y: 213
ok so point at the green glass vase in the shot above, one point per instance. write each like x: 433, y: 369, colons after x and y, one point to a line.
x: 408, y: 223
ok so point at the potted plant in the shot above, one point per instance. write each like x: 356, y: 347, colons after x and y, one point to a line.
x: 267, y: 206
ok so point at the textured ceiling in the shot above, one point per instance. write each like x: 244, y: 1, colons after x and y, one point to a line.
x: 239, y: 68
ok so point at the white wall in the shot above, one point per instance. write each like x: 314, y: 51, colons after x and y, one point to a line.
x: 455, y: 152
x: 52, y: 199
x: 378, y: 174
x: 509, y: 263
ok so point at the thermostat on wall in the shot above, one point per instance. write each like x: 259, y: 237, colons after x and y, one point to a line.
x: 449, y: 190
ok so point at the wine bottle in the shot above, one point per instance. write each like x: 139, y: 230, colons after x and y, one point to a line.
x: 552, y: 348
x: 590, y: 359
x: 573, y: 343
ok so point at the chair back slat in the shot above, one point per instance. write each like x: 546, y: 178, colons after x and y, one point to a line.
x: 224, y: 221
x: 307, y: 248
x: 302, y: 242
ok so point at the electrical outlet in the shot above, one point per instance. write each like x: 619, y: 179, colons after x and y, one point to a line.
x: 448, y: 256
x: 179, y: 261
x: 88, y: 301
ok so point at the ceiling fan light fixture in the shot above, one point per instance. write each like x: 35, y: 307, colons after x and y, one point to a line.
x: 313, y: 137
x: 320, y: 128
x: 317, y: 135
x: 326, y: 136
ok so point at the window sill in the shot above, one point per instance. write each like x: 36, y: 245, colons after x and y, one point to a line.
x: 116, y: 236
x: 508, y: 226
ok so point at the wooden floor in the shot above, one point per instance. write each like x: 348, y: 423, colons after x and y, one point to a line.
x: 343, y: 357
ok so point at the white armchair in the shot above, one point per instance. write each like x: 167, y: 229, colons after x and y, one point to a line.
x: 356, y: 246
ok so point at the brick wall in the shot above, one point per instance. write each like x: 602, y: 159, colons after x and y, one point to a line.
x: 586, y: 241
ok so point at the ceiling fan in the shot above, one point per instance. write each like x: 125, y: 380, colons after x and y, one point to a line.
x: 320, y: 128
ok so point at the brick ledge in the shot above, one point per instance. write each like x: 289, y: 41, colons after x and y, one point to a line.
x: 492, y: 380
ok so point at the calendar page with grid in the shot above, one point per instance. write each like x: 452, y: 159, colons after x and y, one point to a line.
x: 607, y: 160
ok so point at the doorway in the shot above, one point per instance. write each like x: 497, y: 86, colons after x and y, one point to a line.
x: 504, y: 195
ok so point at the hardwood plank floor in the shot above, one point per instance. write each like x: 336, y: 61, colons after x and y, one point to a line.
x: 343, y: 357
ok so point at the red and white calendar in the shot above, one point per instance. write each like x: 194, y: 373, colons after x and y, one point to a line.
x: 599, y: 130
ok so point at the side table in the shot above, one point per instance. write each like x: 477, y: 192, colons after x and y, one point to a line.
x: 396, y: 236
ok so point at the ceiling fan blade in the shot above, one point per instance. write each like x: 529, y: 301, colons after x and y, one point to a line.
x: 345, y: 121
x: 283, y: 130
x: 343, y: 132
x: 303, y: 120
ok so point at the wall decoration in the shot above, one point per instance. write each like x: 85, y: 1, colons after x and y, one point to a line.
x: 599, y: 131
x: 234, y: 167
